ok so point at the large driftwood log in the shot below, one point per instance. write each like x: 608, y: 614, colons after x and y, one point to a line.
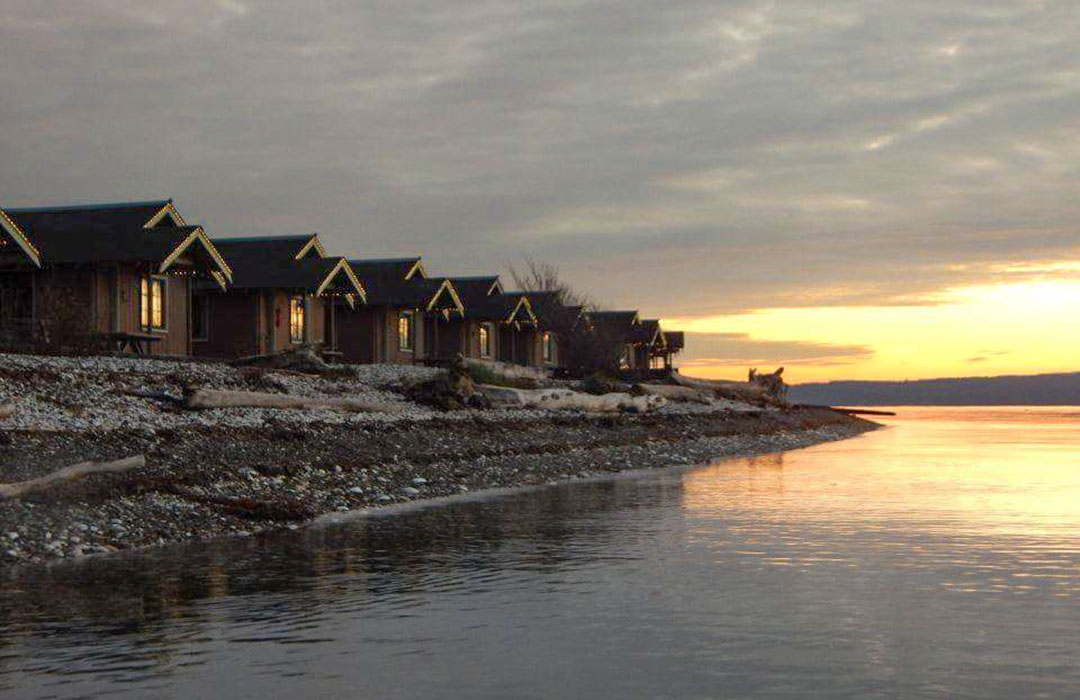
x: 221, y: 398
x: 733, y: 391
x: 565, y: 399
x: 512, y: 371
x: 20, y: 489
x: 674, y: 393
x: 7, y: 410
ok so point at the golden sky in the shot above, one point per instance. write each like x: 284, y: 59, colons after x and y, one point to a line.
x: 1024, y: 327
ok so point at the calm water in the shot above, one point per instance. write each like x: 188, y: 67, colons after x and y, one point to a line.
x: 938, y: 558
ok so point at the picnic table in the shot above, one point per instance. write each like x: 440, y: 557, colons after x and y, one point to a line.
x: 138, y: 343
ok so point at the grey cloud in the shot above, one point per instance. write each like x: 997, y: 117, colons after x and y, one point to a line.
x: 704, y: 349
x: 733, y: 155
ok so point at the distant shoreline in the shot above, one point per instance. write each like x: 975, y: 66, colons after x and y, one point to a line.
x: 1059, y: 389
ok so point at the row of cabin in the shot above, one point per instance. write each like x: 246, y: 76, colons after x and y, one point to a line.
x: 139, y: 272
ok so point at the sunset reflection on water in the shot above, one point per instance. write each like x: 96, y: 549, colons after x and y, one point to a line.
x: 938, y: 557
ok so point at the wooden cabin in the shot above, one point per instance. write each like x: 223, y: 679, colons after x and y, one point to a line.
x: 562, y: 330
x: 497, y: 325
x: 664, y: 354
x: 617, y: 334
x: 285, y: 292
x: 117, y: 275
x: 646, y: 339
x: 405, y: 317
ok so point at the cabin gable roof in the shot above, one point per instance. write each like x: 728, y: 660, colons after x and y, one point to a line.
x: 193, y: 238
x: 674, y: 340
x: 618, y: 325
x: 474, y: 290
x: 648, y: 332
x: 51, y: 225
x: 124, y: 232
x: 504, y: 308
x: 439, y: 294
x: 16, y: 235
x: 341, y: 274
x: 398, y: 283
x: 288, y: 262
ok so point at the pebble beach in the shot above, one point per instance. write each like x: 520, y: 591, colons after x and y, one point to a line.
x: 241, y: 471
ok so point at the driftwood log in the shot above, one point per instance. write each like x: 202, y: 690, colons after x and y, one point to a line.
x: 674, y: 393
x: 304, y: 359
x: 565, y: 399
x: 511, y: 371
x: 222, y: 398
x: 20, y: 489
x: 248, y: 508
x: 733, y: 391
x: 7, y: 410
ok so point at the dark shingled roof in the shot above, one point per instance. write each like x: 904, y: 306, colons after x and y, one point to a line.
x: 387, y: 286
x: 614, y: 319
x: 646, y: 332
x: 499, y: 307
x: 423, y: 290
x: 618, y: 325
x: 548, y: 308
x: 270, y: 263
x: 675, y: 340
x: 77, y: 218
x: 473, y: 290
x: 385, y: 279
x: 99, y: 232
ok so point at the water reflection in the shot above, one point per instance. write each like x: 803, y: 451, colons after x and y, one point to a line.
x: 938, y: 558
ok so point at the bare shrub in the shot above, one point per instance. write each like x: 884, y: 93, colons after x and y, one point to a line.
x: 583, y: 349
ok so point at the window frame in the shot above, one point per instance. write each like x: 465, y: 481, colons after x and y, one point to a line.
x: 147, y: 285
x: 406, y: 340
x: 485, y: 333
x: 297, y: 310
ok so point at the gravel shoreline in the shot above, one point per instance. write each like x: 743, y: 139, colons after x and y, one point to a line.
x: 239, y: 472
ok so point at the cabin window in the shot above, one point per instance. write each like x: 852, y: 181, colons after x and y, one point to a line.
x: 200, y: 317
x: 485, y: 340
x: 152, y: 303
x: 548, y: 343
x: 406, y: 330
x: 296, y: 319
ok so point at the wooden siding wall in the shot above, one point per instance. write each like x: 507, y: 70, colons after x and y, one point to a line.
x: 391, y: 353
x: 277, y: 321
x: 233, y: 328
x: 107, y: 300
x: 358, y: 335
x: 453, y: 339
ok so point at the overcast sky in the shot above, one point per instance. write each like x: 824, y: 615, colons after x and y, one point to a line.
x: 686, y: 158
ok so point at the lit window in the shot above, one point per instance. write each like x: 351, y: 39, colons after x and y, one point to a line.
x: 485, y: 340
x: 152, y: 303
x: 405, y: 331
x: 296, y: 319
x: 549, y: 346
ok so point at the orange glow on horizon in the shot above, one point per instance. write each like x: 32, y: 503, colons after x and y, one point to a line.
x: 1012, y: 328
